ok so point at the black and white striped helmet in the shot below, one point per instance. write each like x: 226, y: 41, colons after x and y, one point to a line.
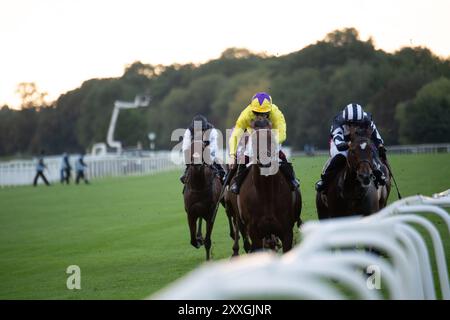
x: 353, y: 113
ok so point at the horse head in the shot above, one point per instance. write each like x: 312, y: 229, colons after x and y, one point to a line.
x: 195, y: 159
x: 360, y: 159
x: 262, y: 138
x: 196, y: 154
x: 360, y: 129
x: 261, y: 121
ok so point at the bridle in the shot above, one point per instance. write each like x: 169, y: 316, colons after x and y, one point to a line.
x: 262, y: 120
x: 359, y: 162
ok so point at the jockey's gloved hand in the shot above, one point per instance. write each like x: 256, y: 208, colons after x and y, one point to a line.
x: 343, y: 146
x: 382, y: 151
x: 206, y: 143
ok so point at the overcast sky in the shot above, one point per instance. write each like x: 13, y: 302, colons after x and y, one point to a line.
x: 60, y: 43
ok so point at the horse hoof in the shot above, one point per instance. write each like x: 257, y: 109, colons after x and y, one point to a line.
x: 200, y: 241
x: 196, y: 245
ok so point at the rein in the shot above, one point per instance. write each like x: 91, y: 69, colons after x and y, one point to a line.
x: 269, y: 155
x: 349, y: 169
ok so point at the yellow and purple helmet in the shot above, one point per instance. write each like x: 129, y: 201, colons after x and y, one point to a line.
x: 261, y: 102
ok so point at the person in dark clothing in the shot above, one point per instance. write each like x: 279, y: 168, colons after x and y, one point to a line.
x: 40, y: 167
x: 211, y: 142
x: 66, y: 169
x: 80, y: 165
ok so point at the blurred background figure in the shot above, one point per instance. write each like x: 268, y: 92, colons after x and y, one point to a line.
x: 40, y: 167
x: 80, y: 165
x: 65, y: 169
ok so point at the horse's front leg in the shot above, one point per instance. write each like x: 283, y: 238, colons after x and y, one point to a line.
x: 257, y: 241
x: 245, y: 239
x: 230, y: 223
x: 236, y: 238
x: 192, y: 229
x: 199, y: 232
x: 207, y: 241
x: 287, y: 240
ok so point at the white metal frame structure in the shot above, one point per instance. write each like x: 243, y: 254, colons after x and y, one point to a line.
x: 333, y: 259
x: 139, y: 101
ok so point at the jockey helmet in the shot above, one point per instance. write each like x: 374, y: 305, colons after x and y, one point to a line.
x: 353, y: 112
x: 261, y: 102
x: 201, y: 119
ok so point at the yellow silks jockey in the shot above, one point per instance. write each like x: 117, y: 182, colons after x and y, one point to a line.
x: 260, y: 103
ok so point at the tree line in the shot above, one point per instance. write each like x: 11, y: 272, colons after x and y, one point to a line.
x: 408, y: 93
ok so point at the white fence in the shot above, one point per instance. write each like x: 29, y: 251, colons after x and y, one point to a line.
x: 403, y: 149
x: 333, y: 259
x: 421, y: 148
x: 22, y: 172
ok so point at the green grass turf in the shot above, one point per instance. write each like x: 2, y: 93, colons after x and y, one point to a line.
x: 130, y: 236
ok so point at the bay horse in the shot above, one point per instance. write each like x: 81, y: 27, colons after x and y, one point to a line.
x: 266, y: 207
x: 201, y: 193
x: 354, y: 191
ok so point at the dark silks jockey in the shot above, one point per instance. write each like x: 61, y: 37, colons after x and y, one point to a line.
x: 352, y: 115
x: 210, y: 141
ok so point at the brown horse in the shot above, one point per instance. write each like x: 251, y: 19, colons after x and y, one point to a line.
x: 201, y: 193
x: 265, y: 208
x: 353, y: 191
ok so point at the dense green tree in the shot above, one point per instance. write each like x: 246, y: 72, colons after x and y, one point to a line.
x: 427, y: 117
x: 182, y: 104
x: 310, y: 86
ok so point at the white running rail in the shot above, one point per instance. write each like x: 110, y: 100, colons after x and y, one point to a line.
x: 400, y: 149
x: 334, y: 257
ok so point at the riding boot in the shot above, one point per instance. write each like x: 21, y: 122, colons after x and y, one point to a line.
x: 183, y: 177
x: 288, y: 171
x: 333, y: 168
x: 239, y: 178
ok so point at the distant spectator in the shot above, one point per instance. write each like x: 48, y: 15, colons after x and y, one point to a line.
x: 65, y: 169
x: 40, y: 167
x: 309, y: 149
x: 80, y: 165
